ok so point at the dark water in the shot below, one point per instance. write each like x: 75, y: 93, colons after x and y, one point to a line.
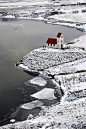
x: 16, y: 39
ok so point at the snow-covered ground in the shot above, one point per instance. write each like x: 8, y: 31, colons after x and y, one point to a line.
x: 79, y: 42
x: 48, y: 58
x: 64, y: 12
x: 68, y: 66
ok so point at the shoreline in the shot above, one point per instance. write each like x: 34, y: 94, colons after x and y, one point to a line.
x: 18, y: 124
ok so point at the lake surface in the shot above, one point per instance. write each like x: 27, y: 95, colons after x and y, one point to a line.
x: 16, y: 39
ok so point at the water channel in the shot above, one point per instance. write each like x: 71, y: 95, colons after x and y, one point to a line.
x: 16, y: 39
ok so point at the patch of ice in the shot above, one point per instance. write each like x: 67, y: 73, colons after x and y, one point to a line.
x: 38, y: 81
x: 46, y: 93
x: 12, y: 120
x: 32, y: 105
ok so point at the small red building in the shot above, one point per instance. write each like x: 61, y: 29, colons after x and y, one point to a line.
x: 57, y: 42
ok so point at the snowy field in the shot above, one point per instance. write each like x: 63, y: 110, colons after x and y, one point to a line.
x: 79, y: 42
x: 64, y: 12
x: 68, y: 66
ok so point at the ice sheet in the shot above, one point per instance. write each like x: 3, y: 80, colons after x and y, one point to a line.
x: 46, y: 93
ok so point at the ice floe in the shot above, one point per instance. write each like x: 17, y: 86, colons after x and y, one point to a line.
x: 46, y: 93
x: 12, y: 120
x: 32, y: 105
x: 38, y: 81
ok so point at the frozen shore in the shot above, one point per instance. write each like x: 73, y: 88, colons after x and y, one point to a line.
x: 71, y: 112
x: 67, y: 66
x: 63, y: 116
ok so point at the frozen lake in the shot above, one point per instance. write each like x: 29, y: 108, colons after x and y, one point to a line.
x: 16, y: 39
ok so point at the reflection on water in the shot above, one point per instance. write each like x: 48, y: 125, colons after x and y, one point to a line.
x: 16, y: 39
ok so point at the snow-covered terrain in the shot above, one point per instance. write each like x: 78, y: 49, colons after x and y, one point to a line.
x: 63, y: 116
x: 79, y: 42
x: 64, y: 12
x: 68, y: 66
x: 44, y: 58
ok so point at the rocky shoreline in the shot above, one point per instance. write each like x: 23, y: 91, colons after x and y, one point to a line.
x: 73, y: 85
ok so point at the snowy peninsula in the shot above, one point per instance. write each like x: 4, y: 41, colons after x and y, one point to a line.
x: 68, y: 66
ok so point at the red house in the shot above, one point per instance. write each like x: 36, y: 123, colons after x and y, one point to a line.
x: 57, y: 42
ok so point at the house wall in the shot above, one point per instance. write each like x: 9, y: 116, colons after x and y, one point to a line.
x: 54, y: 46
x: 60, y: 41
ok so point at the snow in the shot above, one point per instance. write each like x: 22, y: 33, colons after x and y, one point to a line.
x: 23, y: 66
x: 62, y: 116
x: 8, y: 16
x: 41, y: 58
x: 81, y: 66
x: 46, y: 93
x: 38, y: 81
x: 80, y: 42
x: 32, y: 105
x: 80, y: 86
x: 70, y: 17
x: 24, y: 3
x: 67, y: 65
